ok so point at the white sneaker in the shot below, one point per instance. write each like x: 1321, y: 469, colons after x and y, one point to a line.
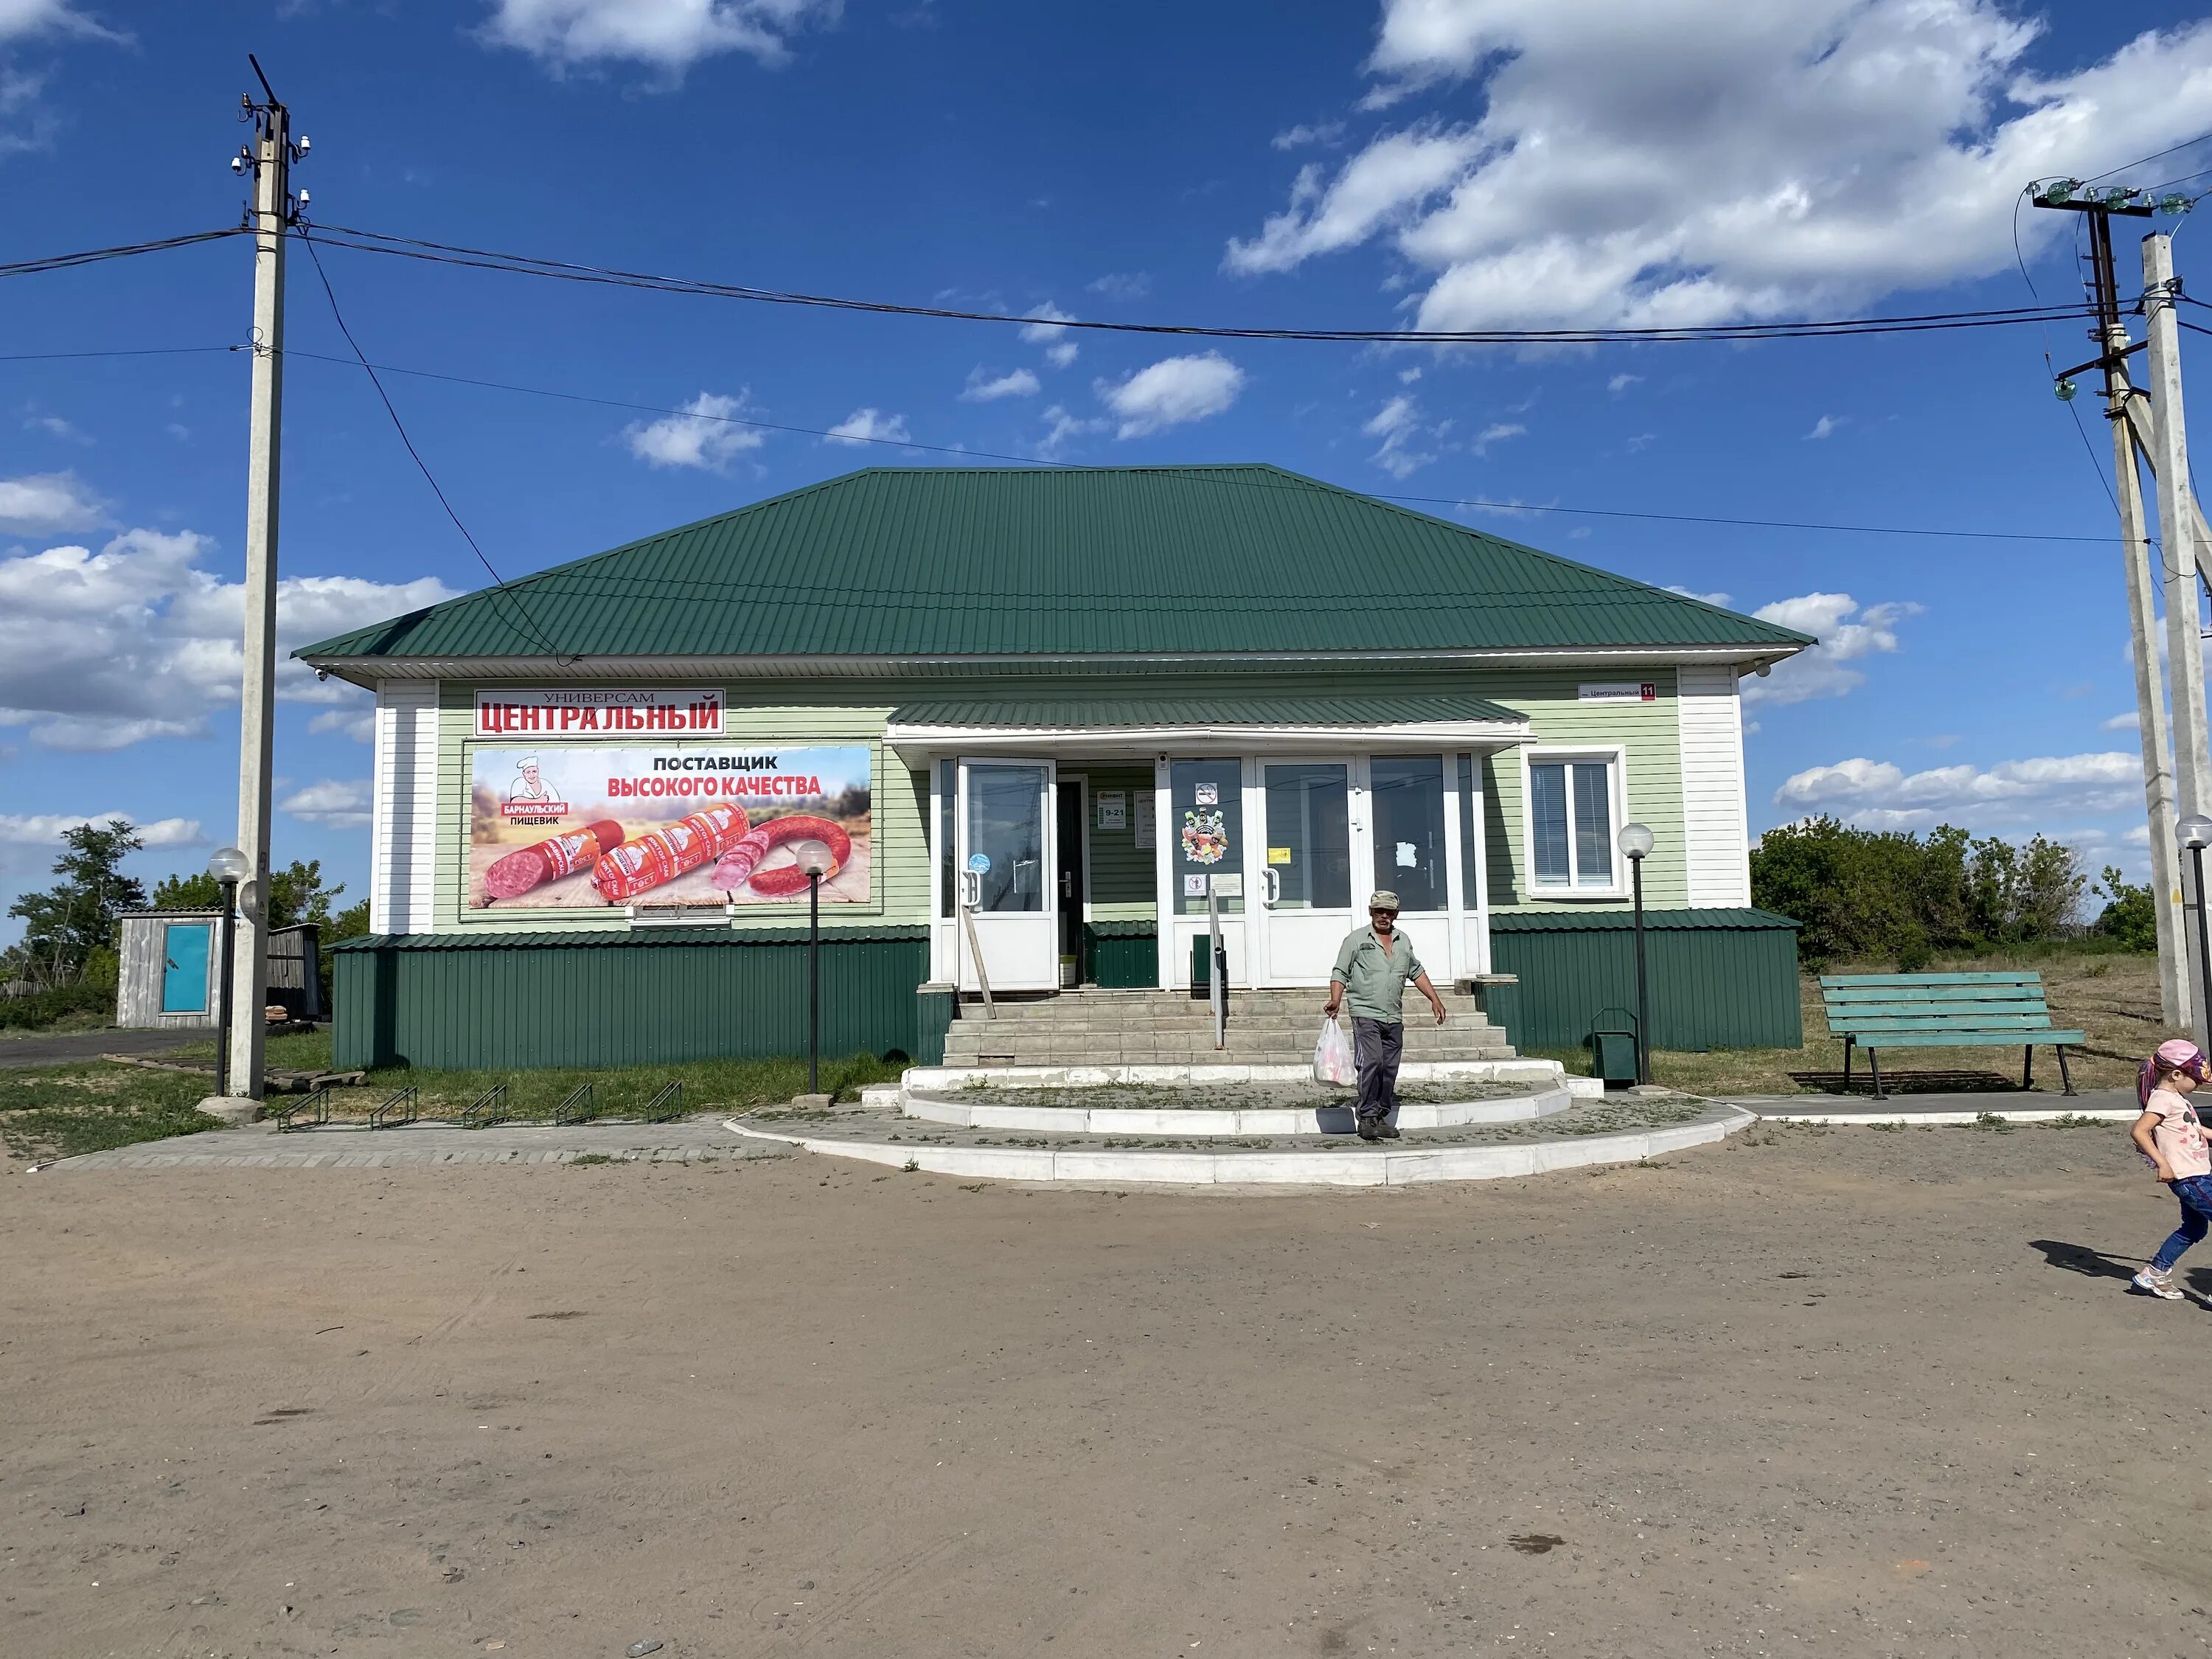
x: 2151, y: 1282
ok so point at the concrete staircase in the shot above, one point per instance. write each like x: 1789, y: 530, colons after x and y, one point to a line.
x: 1168, y: 1027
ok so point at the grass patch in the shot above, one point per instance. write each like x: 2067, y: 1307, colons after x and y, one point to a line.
x: 59, y: 1111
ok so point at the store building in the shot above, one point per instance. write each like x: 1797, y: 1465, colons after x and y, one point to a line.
x: 1040, y: 718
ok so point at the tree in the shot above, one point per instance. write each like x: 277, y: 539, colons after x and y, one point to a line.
x: 296, y: 894
x: 2130, y: 918
x: 64, y: 925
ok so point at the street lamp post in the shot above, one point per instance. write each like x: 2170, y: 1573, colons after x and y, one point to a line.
x: 814, y: 859
x: 2195, y: 832
x: 230, y: 867
x: 1636, y: 842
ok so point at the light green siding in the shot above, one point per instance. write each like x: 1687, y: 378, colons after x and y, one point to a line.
x: 1123, y: 879
x: 1649, y: 733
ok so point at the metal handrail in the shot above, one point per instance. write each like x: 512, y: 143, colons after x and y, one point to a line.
x: 1217, y: 990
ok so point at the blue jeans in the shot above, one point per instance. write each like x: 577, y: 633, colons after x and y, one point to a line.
x: 2195, y: 1193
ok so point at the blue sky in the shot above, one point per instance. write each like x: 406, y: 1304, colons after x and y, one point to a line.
x: 1455, y: 162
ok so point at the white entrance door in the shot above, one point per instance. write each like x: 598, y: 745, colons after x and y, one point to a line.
x: 1306, y: 897
x: 1006, y: 863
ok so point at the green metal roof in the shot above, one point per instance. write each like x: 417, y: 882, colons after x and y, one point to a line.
x: 1291, y: 708
x: 911, y: 562
x: 1575, y: 921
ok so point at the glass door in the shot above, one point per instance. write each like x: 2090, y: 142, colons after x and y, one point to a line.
x: 1008, y: 913
x: 1306, y: 899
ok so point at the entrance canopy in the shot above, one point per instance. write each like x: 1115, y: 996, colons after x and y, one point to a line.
x: 1199, y: 722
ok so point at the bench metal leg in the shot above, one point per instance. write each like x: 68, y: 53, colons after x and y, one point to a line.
x: 1873, y: 1059
x: 2027, y: 1067
x: 2063, y: 1076
x: 1847, y: 1064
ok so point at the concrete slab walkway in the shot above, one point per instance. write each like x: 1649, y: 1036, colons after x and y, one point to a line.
x: 258, y: 1146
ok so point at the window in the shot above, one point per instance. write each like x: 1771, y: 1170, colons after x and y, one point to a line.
x: 1206, y: 798
x: 1409, y: 829
x: 1570, y: 822
x: 948, y: 863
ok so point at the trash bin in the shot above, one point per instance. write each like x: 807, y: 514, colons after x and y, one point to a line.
x: 1613, y: 1046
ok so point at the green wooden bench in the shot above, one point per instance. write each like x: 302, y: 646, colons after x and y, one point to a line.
x: 1874, y: 1011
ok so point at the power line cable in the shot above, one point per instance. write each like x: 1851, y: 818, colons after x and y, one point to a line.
x: 1043, y: 464
x: 2175, y: 150
x: 140, y: 351
x: 368, y: 241
x: 529, y: 625
x: 124, y: 250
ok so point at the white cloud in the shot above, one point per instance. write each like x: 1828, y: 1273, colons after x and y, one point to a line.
x: 1061, y: 429
x: 43, y: 503
x: 704, y: 436
x: 98, y: 651
x: 1123, y: 285
x: 341, y: 804
x: 359, y: 724
x: 1061, y: 354
x: 1642, y: 162
x: 20, y: 20
x: 1319, y: 132
x: 1382, y: 186
x: 1496, y: 433
x: 1620, y: 383
x: 1882, y: 795
x: 1172, y: 391
x: 1398, y: 424
x: 1693, y: 594
x: 866, y: 425
x: 984, y: 387
x: 1825, y: 428
x: 1051, y: 326
x: 46, y: 828
x: 669, y: 35
x: 55, y: 427
x: 2130, y: 722
x: 1845, y: 633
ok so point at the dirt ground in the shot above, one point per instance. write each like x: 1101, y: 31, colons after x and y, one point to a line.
x: 1849, y: 1392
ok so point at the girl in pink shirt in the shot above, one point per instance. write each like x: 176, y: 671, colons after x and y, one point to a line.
x: 2168, y: 1135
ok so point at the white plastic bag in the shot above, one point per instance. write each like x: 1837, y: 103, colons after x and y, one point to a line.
x: 1332, y: 1061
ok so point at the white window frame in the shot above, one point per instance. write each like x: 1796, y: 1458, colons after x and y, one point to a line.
x: 1614, y: 757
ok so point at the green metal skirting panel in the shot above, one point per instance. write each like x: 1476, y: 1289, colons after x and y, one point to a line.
x: 582, y: 1002
x: 1121, y: 956
x: 1733, y: 985
x: 1583, y: 921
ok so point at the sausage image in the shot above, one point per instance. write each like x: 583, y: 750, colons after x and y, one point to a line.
x: 738, y: 864
x: 647, y: 860
x: 534, y: 866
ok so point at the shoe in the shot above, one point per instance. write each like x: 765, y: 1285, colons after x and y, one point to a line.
x: 2151, y: 1282
x: 1386, y: 1129
x: 1371, y: 1128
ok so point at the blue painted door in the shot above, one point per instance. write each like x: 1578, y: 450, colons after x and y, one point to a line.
x: 185, y: 967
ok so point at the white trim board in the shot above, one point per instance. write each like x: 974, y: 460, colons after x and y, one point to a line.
x: 1716, y: 826
x: 404, y: 824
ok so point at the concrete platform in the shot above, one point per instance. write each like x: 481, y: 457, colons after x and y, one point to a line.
x: 1335, y: 1117
x: 1589, y: 1134
x: 2012, y: 1106
x: 260, y: 1147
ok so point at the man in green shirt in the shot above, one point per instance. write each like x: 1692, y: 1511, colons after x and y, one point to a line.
x: 1373, y: 964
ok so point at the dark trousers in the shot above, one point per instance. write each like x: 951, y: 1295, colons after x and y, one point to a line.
x: 1377, y: 1046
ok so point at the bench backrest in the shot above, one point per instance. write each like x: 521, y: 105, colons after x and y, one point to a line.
x: 1867, y: 1004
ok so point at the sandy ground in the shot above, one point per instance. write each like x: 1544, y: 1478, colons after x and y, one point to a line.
x: 1849, y: 1392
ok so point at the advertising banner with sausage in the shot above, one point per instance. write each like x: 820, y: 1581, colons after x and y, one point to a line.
x: 564, y: 826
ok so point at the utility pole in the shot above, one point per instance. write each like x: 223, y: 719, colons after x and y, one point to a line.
x: 269, y: 157
x: 2177, y: 1000
x: 2177, y: 532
